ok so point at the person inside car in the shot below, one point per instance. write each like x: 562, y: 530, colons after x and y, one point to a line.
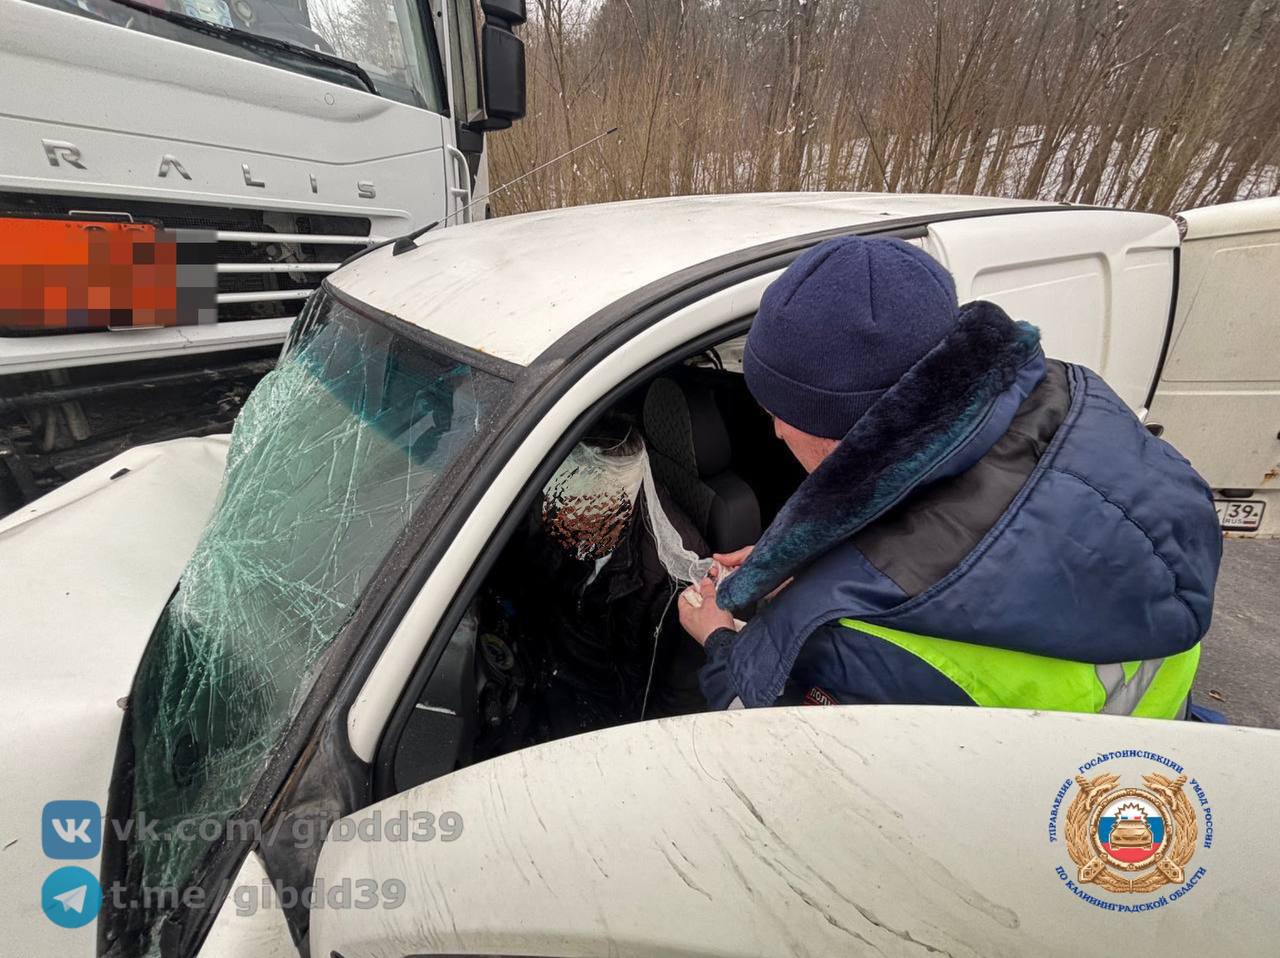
x: 592, y: 589
x: 979, y: 524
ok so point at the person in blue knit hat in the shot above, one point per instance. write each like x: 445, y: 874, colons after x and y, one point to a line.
x: 979, y: 525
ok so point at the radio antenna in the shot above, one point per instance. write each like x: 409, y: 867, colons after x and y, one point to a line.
x: 409, y: 241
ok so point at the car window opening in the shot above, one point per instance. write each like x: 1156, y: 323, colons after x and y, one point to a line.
x: 576, y: 628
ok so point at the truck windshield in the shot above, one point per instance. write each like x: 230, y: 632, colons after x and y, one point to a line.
x: 331, y: 455
x: 386, y: 40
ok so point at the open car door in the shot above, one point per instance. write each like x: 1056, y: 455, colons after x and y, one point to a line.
x: 844, y: 830
x: 1219, y: 395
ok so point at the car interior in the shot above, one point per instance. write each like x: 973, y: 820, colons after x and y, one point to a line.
x: 721, y: 476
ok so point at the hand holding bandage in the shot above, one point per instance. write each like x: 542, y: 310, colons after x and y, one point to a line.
x: 699, y: 614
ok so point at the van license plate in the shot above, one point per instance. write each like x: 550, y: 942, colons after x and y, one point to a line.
x: 1239, y: 515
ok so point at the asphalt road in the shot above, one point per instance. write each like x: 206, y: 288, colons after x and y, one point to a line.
x: 1240, y: 658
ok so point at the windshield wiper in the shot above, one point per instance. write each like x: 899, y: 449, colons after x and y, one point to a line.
x: 245, y: 38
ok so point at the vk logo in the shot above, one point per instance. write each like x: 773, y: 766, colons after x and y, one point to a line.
x: 71, y: 897
x: 71, y: 829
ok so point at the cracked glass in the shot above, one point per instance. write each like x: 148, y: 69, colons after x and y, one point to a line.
x: 331, y: 455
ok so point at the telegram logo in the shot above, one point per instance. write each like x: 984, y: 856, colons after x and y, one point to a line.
x: 71, y: 897
x: 71, y: 829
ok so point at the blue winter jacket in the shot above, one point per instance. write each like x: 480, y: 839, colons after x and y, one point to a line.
x: 990, y: 497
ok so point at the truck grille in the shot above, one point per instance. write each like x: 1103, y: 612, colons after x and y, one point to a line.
x: 268, y: 261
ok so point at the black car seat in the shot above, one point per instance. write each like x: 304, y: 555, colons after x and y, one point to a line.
x: 690, y: 452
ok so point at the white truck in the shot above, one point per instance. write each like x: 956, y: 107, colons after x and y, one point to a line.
x: 287, y: 134
x: 273, y: 680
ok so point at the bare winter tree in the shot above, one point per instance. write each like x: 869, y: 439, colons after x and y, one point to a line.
x: 1154, y: 104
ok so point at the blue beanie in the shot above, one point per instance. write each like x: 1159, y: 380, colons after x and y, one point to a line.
x: 842, y: 325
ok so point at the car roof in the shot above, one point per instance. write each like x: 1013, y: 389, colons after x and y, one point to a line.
x: 512, y: 286
x: 1231, y: 219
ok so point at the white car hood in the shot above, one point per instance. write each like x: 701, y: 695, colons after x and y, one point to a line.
x: 87, y: 570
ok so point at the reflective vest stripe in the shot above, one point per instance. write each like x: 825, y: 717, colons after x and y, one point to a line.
x: 1003, y: 678
x: 1171, y: 686
x: 1124, y: 694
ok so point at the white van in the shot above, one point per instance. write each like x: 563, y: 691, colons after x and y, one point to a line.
x: 328, y: 679
x: 1218, y: 398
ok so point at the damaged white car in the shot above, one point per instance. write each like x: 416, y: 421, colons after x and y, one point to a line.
x: 294, y: 668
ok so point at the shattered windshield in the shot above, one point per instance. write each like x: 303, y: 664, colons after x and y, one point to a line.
x: 330, y: 457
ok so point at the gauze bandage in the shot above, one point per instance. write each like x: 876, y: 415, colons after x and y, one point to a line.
x: 588, y: 502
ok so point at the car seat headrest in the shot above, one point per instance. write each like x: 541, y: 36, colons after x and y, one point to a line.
x: 683, y: 423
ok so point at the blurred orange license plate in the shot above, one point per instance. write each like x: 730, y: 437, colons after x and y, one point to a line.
x: 75, y: 274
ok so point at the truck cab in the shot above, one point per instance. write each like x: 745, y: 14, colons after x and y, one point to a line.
x: 275, y: 137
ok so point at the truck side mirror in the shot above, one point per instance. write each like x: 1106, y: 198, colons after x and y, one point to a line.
x: 504, y: 67
x: 511, y: 12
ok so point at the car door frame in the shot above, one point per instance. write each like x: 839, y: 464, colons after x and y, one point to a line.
x: 333, y: 743
x: 600, y: 337
x: 545, y: 383
x: 725, y: 327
